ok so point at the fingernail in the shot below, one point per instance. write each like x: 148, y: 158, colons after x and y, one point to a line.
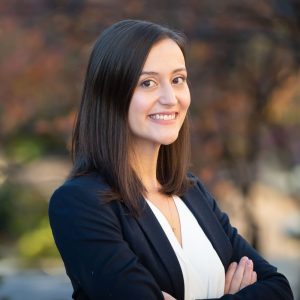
x: 245, y: 259
x: 249, y: 262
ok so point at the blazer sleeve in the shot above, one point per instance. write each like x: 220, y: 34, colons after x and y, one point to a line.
x: 270, y: 284
x: 97, y: 259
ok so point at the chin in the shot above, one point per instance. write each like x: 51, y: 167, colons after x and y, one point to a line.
x: 168, y: 140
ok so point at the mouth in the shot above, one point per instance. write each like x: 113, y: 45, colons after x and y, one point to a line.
x: 163, y: 116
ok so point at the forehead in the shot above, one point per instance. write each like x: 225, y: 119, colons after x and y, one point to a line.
x: 165, y: 54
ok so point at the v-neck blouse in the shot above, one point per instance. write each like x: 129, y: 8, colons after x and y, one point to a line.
x: 202, y: 269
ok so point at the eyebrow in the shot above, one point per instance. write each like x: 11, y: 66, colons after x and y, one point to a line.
x: 155, y: 73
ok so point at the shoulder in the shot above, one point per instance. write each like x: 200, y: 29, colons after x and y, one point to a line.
x: 78, y: 204
x: 200, y: 198
x: 90, y: 180
x: 89, y: 184
x: 198, y: 187
x: 78, y: 192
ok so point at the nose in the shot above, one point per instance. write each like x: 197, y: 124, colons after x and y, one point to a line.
x: 167, y: 95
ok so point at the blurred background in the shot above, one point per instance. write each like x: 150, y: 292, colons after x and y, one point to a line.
x: 244, y: 70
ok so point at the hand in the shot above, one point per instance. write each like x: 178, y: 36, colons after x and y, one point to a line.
x: 168, y: 296
x: 239, y: 276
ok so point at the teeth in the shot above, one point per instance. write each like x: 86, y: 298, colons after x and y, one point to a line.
x: 162, y: 117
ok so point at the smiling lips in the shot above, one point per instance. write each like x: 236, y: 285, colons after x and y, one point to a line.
x: 164, y: 116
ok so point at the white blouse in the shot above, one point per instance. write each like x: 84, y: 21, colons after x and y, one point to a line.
x: 202, y: 269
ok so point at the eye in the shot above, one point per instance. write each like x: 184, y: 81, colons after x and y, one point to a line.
x: 148, y: 83
x: 179, y: 80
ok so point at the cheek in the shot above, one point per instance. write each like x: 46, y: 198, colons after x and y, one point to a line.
x: 140, y: 106
x: 137, y: 111
x: 188, y: 102
x: 186, y: 99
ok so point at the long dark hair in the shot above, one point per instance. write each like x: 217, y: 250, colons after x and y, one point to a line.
x: 101, y: 137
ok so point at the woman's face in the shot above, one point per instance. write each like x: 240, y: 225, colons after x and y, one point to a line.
x: 161, y: 98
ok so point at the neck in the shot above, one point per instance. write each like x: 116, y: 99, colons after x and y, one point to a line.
x: 144, y: 162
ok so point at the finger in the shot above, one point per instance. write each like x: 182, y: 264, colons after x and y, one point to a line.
x: 167, y: 296
x: 253, y: 277
x: 238, y: 276
x: 246, y: 280
x: 228, y: 276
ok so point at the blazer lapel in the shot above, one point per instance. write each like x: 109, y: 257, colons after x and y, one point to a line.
x: 196, y: 202
x: 161, y: 244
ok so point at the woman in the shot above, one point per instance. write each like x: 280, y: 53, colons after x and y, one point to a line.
x: 130, y: 223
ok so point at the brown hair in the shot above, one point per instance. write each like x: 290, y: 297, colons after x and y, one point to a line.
x: 101, y: 137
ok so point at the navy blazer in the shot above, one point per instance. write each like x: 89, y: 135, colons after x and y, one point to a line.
x: 109, y: 254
